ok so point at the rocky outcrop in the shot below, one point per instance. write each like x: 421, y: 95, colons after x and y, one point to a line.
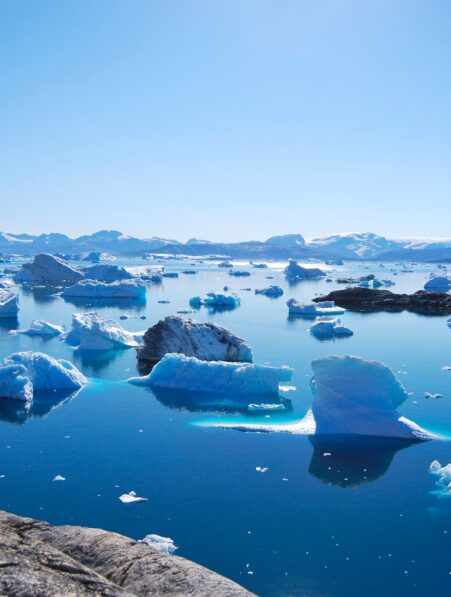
x: 38, y: 559
x: 206, y: 341
x: 367, y: 299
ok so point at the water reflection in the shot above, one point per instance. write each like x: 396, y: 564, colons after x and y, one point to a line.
x: 93, y: 362
x: 19, y: 412
x: 42, y: 294
x: 351, y: 460
x: 135, y: 305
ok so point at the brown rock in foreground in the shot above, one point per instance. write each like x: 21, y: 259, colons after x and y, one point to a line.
x: 37, y: 559
x: 368, y: 299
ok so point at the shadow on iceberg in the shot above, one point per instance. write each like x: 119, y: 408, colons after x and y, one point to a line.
x: 348, y: 461
x: 9, y: 323
x: 43, y: 404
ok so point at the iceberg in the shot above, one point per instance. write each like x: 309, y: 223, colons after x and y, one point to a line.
x: 40, y: 327
x: 438, y: 284
x: 178, y: 372
x: 207, y: 341
x: 93, y: 289
x: 312, y: 310
x: 23, y: 373
x: 107, y: 273
x: 294, y: 271
x: 165, y: 544
x: 9, y: 304
x: 47, y: 268
x: 92, y: 332
x: 132, y: 498
x: 329, y: 327
x: 272, y: 291
x: 148, y: 273
x: 97, y: 256
x: 215, y: 300
x: 444, y: 476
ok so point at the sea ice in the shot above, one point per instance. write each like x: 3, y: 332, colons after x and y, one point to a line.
x: 326, y: 327
x: 99, y: 290
x: 9, y: 304
x: 132, y: 498
x: 47, y: 268
x: 271, y: 291
x: 23, y: 373
x: 178, y: 372
x: 92, y: 332
x: 312, y: 310
x: 294, y: 271
x: 165, y: 544
x: 207, y: 341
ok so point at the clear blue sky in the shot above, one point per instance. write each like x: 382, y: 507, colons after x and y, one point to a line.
x: 225, y: 119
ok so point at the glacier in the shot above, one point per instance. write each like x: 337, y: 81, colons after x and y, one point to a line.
x: 327, y: 327
x: 93, y: 289
x: 294, y: 271
x: 178, y: 372
x: 312, y: 310
x: 92, y: 332
x: 23, y: 373
x: 9, y: 304
x: 207, y: 341
x: 47, y: 268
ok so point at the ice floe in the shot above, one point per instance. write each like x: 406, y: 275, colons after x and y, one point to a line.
x: 312, y: 310
x: 178, y: 372
x: 207, y: 341
x: 93, y: 289
x: 92, y: 332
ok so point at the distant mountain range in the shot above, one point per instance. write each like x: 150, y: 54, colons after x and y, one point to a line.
x: 351, y: 246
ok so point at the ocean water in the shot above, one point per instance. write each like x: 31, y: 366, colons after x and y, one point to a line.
x: 364, y: 521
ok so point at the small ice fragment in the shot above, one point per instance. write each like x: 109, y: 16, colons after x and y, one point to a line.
x: 261, y: 469
x: 131, y: 498
x: 165, y: 544
x: 59, y: 478
x: 327, y: 454
x: 435, y: 395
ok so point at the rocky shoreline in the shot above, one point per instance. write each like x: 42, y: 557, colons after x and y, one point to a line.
x: 38, y: 559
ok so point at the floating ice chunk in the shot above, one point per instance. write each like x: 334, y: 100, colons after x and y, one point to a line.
x: 266, y: 407
x: 444, y: 476
x: 439, y: 284
x: 170, y: 275
x: 216, y: 300
x: 284, y: 387
x: 23, y: 373
x: 59, y: 478
x: 97, y: 256
x: 9, y: 304
x: 312, y: 310
x: 98, y: 290
x: 165, y: 544
x: 355, y: 396
x: 261, y: 469
x: 132, y: 498
x: 239, y: 273
x: 271, y: 291
x: 294, y: 271
x: 40, y: 327
x: 47, y: 268
x: 435, y: 395
x: 178, y: 372
x: 329, y: 328
x: 92, y: 332
x: 107, y: 273
x: 207, y: 341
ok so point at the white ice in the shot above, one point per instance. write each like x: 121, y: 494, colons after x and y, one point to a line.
x: 444, y: 476
x: 215, y: 299
x: 92, y: 332
x: 165, y: 544
x: 40, y: 327
x: 100, y: 290
x: 327, y: 327
x: 132, y: 498
x: 312, y: 310
x: 47, y: 268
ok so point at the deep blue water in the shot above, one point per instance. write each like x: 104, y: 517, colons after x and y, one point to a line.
x: 364, y: 521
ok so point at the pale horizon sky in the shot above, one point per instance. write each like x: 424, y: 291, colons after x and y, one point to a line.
x: 225, y: 120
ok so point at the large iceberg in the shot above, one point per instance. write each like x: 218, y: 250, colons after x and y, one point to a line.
x: 312, y: 310
x: 107, y: 273
x: 47, y: 268
x: 9, y: 304
x: 328, y: 327
x: 272, y: 291
x: 181, y: 373
x: 215, y: 300
x: 93, y: 289
x: 23, y: 373
x: 439, y: 284
x: 294, y: 271
x: 207, y: 341
x: 92, y: 332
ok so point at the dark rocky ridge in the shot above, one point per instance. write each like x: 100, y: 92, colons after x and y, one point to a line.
x: 37, y: 560
x: 367, y: 299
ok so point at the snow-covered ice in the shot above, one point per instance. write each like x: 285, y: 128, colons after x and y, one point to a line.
x: 9, y: 304
x: 165, y: 544
x: 207, y: 341
x: 99, y: 290
x: 23, y: 373
x: 47, y: 268
x: 92, y: 332
x: 178, y: 372
x: 312, y: 310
